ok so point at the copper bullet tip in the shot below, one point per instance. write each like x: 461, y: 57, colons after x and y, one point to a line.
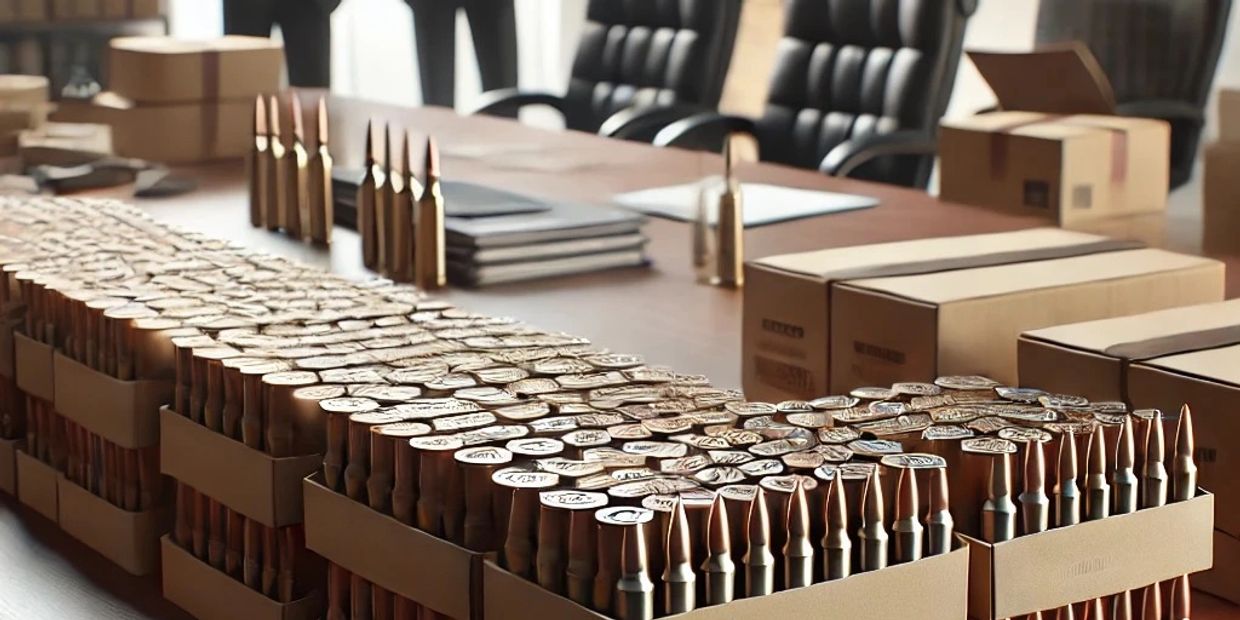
x: 678, y: 547
x: 1154, y: 470
x: 299, y: 129
x: 432, y: 159
x: 798, y: 512
x: 1183, y: 467
x: 406, y: 164
x: 719, y: 539
x: 633, y: 559
x: 371, y: 156
x: 274, y: 110
x: 1151, y: 603
x: 1155, y: 450
x: 759, y: 522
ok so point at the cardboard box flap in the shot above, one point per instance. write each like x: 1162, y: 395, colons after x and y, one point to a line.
x: 941, y: 253
x: 123, y: 412
x: 1056, y: 79
x: 172, y: 46
x: 949, y: 286
x: 1220, y: 365
x: 1150, y: 335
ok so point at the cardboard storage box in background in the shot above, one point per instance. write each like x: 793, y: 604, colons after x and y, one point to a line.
x: 397, y: 557
x: 964, y: 322
x: 786, y: 330
x: 209, y: 594
x: 174, y: 133
x: 933, y: 588
x: 1229, y: 115
x: 1221, y: 180
x: 163, y: 70
x: 1092, y: 358
x: 1036, y: 573
x: 1060, y: 151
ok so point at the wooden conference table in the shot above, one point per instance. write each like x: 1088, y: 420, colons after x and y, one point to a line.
x: 658, y: 312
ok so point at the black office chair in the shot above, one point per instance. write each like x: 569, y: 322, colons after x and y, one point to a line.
x: 657, y: 59
x: 1160, y: 56
x: 858, y: 89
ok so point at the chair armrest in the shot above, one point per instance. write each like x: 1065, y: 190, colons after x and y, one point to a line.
x: 703, y: 131
x: 1168, y: 109
x: 851, y: 154
x: 642, y: 123
x: 507, y: 101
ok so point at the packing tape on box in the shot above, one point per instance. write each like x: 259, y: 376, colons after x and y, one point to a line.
x: 1129, y: 353
x: 999, y: 138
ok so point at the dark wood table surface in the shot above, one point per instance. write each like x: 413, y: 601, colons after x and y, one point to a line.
x: 658, y: 312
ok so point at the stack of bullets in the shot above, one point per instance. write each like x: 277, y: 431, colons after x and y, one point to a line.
x: 290, y: 176
x: 400, y: 220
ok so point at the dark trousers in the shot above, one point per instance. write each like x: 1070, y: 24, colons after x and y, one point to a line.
x: 306, y: 26
x: 494, y: 27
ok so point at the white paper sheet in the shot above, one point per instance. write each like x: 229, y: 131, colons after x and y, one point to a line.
x: 763, y: 203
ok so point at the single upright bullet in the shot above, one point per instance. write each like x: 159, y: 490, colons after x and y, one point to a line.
x: 366, y: 194
x: 836, y: 544
x: 1067, y: 492
x: 907, y: 525
x: 280, y: 157
x: 1183, y: 468
x: 519, y: 490
x: 679, y: 581
x: 429, y: 263
x: 999, y: 512
x: 1035, y: 506
x: 759, y: 561
x: 1121, y: 606
x: 873, y: 532
x: 730, y: 226
x: 434, y: 480
x: 296, y: 216
x: 798, y: 550
x: 557, y: 510
x: 634, y: 590
x: 383, y: 204
x: 477, y: 464
x: 318, y: 181
x: 1124, y: 479
x: 257, y: 164
x: 400, y: 267
x: 719, y: 568
x: 1181, y: 598
x: 612, y: 522
x: 1097, y: 490
x: 1154, y: 470
x: 1065, y: 613
x: 940, y: 525
x: 1151, y: 603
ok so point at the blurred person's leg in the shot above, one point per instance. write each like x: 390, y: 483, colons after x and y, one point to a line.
x: 434, y: 32
x: 307, y: 29
x: 493, y: 24
x: 249, y: 17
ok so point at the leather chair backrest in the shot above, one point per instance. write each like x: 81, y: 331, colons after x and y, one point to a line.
x: 1149, y: 49
x: 849, y: 68
x: 649, y: 52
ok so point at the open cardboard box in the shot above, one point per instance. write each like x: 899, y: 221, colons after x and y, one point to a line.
x: 37, y: 484
x: 966, y: 322
x: 35, y: 374
x: 399, y: 558
x: 1090, y: 560
x: 933, y: 588
x: 164, y: 70
x: 8, y: 465
x: 208, y: 594
x: 259, y: 486
x: 789, y: 299
x: 129, y: 539
x: 123, y: 412
x: 1056, y: 148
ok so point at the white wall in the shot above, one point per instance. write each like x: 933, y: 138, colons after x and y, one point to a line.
x: 373, y: 57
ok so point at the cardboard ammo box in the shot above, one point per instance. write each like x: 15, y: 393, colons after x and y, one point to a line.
x: 210, y: 594
x: 1221, y: 180
x: 399, y: 558
x: 249, y: 481
x: 966, y: 322
x: 1209, y: 381
x: 37, y: 484
x: 34, y: 367
x: 164, y: 70
x: 125, y: 413
x: 8, y: 465
x: 128, y: 539
x: 173, y: 133
x: 1089, y: 560
x: 1056, y: 149
x: 932, y: 588
x: 789, y: 299
x: 1229, y: 115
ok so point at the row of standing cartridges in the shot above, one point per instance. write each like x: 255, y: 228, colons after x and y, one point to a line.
x: 290, y: 178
